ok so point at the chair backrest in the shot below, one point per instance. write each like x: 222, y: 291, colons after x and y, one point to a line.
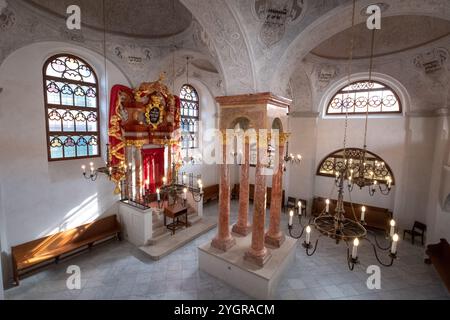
x: 420, y: 226
x: 291, y: 202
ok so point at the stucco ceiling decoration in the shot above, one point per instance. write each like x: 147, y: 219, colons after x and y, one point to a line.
x: 432, y: 60
x: 149, y: 19
x: 275, y: 15
x: 397, y: 34
x: 7, y: 16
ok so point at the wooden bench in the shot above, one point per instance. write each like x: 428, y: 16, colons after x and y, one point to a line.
x: 439, y: 256
x: 235, y: 194
x: 31, y: 255
x: 375, y: 217
x: 210, y: 193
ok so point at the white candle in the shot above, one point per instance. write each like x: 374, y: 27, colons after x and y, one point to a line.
x: 299, y: 208
x: 392, y: 223
x: 327, y: 205
x: 183, y: 178
x: 92, y: 167
x: 110, y: 170
x: 158, y: 196
x: 394, y: 244
x: 164, y: 180
x: 83, y: 167
x: 201, y: 187
x: 291, y: 215
x: 185, y: 193
x: 363, y: 213
x: 308, y: 235
x: 355, y: 248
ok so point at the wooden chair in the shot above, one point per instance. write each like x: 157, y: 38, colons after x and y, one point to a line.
x: 291, y: 204
x: 418, y: 229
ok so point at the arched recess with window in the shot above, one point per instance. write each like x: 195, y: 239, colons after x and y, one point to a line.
x: 364, y: 96
x: 72, y: 108
x: 190, y: 117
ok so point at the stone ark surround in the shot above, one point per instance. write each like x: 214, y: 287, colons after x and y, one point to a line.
x: 243, y: 250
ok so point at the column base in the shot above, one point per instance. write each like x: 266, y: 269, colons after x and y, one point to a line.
x: 223, y: 244
x: 258, y: 259
x: 274, y: 241
x: 241, y: 230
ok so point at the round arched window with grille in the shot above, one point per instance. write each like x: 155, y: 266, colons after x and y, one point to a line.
x: 364, y: 96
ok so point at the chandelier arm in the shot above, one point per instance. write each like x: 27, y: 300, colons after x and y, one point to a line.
x: 291, y: 234
x: 350, y: 261
x: 377, y: 243
x: 392, y: 257
x: 315, y: 248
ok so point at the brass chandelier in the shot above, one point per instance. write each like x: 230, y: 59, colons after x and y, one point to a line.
x: 354, y: 169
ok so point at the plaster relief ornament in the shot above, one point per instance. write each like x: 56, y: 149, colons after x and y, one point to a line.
x: 432, y: 61
x: 325, y: 73
x: 7, y: 16
x: 275, y: 15
x: 133, y: 55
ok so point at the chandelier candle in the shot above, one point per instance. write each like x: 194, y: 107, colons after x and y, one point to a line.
x: 308, y: 235
x: 158, y: 196
x: 392, y: 223
x: 355, y: 248
x: 164, y: 180
x: 394, y: 244
x: 299, y: 208
x: 327, y: 205
x: 363, y: 213
x: 291, y: 215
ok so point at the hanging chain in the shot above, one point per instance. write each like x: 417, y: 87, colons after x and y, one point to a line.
x: 349, y: 70
x: 187, y: 70
x: 370, y: 84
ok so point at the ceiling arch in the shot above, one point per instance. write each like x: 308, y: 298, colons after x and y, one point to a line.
x: 338, y: 20
x: 232, y: 49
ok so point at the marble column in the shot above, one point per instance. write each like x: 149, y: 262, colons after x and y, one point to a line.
x: 224, y: 240
x: 242, y: 226
x: 258, y: 253
x: 274, y: 237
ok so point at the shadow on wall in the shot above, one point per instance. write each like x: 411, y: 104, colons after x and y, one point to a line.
x: 447, y: 204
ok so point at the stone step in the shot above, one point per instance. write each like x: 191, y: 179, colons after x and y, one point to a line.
x: 161, y: 232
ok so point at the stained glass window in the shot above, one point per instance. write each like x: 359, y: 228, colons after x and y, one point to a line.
x: 189, y: 117
x: 71, y: 105
x: 360, y: 97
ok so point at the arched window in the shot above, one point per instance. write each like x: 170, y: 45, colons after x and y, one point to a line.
x: 189, y: 117
x: 375, y: 168
x: 71, y: 106
x: 361, y: 96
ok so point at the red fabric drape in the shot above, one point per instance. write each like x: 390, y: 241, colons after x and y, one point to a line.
x: 153, y: 168
x: 116, y: 138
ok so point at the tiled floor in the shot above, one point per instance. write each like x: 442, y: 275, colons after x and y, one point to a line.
x: 120, y: 271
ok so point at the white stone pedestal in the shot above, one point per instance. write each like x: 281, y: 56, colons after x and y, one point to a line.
x: 230, y: 266
x: 137, y: 224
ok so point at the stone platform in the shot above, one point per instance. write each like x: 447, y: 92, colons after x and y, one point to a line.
x: 169, y: 243
x: 230, y: 266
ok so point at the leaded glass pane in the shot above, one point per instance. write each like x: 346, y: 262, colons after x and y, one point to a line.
x: 362, y: 97
x: 71, y: 88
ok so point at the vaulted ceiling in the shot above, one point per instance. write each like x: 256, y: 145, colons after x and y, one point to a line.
x: 397, y: 33
x: 137, y: 18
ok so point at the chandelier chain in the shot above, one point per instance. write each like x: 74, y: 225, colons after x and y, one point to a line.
x: 349, y: 69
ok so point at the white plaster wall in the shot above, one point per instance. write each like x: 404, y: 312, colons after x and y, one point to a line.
x: 208, y: 119
x: 41, y: 197
x: 406, y: 144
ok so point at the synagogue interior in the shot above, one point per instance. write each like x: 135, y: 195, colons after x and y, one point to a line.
x: 224, y: 150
